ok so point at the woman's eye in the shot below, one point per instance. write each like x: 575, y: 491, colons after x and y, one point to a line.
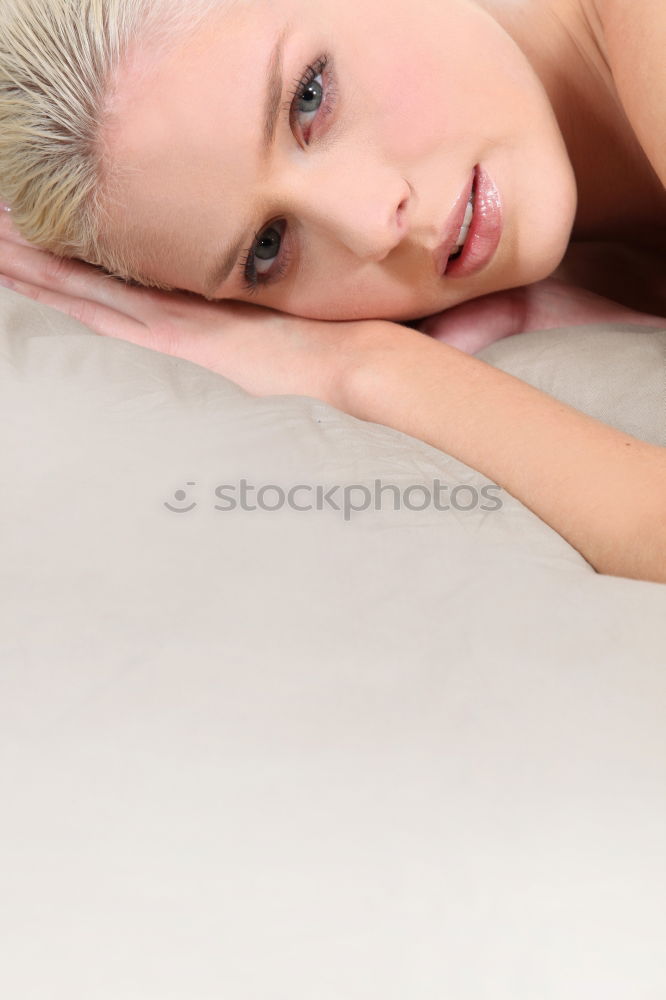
x: 312, y: 97
x: 268, y: 247
x: 308, y: 93
x: 309, y: 97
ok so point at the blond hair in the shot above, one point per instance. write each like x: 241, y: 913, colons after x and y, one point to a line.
x: 59, y: 61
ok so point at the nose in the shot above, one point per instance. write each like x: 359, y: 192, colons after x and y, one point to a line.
x: 364, y: 207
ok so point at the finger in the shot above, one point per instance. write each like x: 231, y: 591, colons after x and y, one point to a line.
x: 23, y: 262
x: 99, y: 318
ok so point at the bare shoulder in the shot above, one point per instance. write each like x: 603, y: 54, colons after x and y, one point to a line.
x: 635, y: 40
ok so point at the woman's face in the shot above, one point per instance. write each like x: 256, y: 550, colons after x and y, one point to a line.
x: 342, y: 214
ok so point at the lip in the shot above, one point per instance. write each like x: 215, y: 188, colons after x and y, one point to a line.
x: 485, y: 231
x: 453, y: 226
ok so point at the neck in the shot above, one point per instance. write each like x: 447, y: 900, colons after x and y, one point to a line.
x: 564, y: 42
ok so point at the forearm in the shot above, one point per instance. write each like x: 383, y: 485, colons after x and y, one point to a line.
x: 544, y: 305
x: 603, y: 490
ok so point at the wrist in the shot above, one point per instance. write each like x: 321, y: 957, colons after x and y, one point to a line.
x: 375, y: 345
x: 397, y: 371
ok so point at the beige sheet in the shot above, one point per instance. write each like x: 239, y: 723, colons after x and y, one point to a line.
x: 259, y: 755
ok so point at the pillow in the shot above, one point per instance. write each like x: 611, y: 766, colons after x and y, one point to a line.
x: 326, y: 754
x: 614, y: 372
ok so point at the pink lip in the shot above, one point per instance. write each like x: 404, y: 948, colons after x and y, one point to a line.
x: 453, y: 227
x: 485, y: 231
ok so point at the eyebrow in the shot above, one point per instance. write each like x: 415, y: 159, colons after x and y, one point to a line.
x: 225, y: 263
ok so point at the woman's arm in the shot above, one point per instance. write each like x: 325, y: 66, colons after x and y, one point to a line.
x: 543, y: 305
x: 603, y: 490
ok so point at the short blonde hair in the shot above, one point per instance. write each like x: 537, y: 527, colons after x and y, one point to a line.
x: 58, y: 65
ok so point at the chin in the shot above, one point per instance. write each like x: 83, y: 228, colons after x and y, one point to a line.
x: 543, y: 263
x: 527, y: 264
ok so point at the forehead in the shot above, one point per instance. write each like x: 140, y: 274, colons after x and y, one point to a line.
x: 183, y: 134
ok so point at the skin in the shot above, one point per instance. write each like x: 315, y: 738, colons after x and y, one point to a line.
x: 366, y: 189
x: 539, y: 109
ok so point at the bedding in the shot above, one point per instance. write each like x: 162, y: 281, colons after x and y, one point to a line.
x: 351, y: 752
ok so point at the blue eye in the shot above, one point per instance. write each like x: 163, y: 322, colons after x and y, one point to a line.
x: 308, y: 98
x: 266, y: 249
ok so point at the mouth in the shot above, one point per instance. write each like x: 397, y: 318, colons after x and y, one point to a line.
x: 473, y: 238
x: 457, y: 228
x: 466, y: 223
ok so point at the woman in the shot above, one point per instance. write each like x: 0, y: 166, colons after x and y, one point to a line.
x: 159, y: 139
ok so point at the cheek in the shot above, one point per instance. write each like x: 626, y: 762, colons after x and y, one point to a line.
x: 429, y: 97
x: 412, y: 114
x: 405, y: 83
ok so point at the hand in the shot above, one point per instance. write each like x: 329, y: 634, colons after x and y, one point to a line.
x: 264, y: 351
x: 543, y: 305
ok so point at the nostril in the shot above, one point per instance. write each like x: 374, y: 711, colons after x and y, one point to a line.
x: 402, y: 213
